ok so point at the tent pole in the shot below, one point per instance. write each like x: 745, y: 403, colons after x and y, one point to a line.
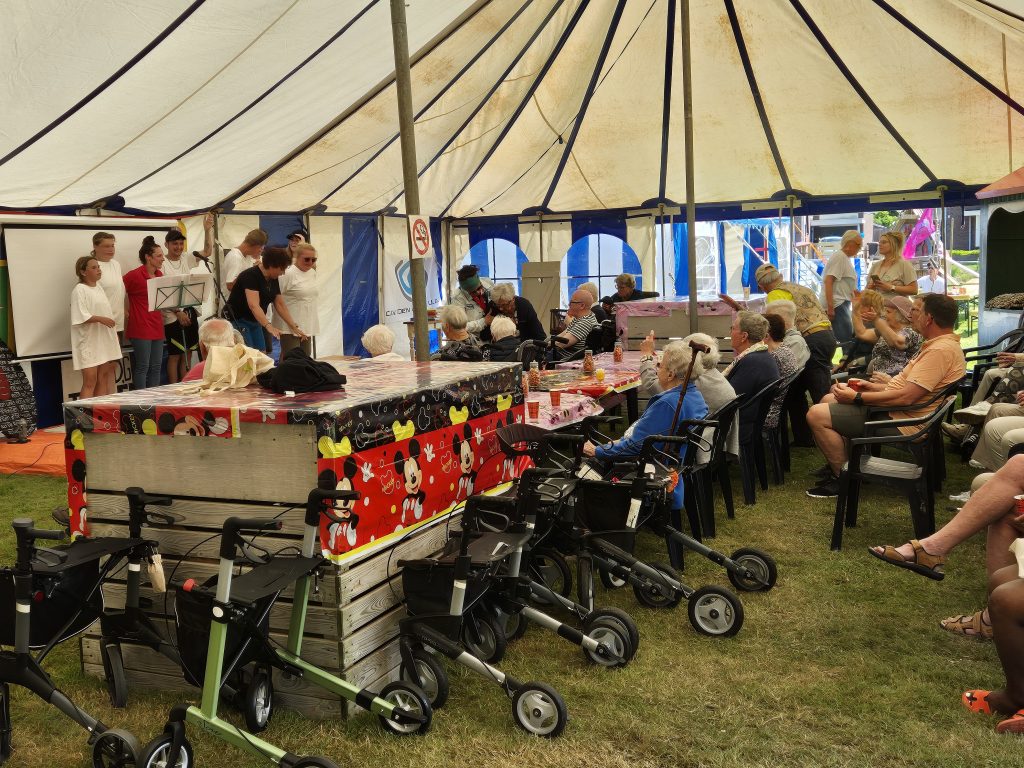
x: 945, y: 247
x: 691, y: 208
x: 406, y: 127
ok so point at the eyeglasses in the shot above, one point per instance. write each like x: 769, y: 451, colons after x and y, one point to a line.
x: 294, y: 237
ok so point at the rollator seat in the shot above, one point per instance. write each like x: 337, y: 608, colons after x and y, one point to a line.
x: 82, y: 551
x: 267, y: 579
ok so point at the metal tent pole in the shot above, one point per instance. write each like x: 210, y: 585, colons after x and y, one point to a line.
x: 691, y: 208
x: 406, y: 127
x: 945, y: 246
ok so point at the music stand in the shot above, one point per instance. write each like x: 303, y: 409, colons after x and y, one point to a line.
x: 174, y: 292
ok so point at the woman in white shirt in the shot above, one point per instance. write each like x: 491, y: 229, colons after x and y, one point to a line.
x: 299, y: 291
x: 94, y: 345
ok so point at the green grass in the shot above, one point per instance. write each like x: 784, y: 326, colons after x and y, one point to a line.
x: 842, y: 664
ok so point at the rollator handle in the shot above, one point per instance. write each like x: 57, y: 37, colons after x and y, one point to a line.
x: 315, y: 504
x: 26, y: 534
x: 138, y: 496
x: 234, y: 527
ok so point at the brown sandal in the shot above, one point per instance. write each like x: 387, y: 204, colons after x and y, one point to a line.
x: 969, y: 626
x: 924, y: 563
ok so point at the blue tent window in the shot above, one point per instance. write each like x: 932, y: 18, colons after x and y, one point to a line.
x: 499, y: 261
x: 598, y: 259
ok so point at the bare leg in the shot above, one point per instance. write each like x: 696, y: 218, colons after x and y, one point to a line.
x: 1006, y: 601
x: 830, y: 443
x: 89, y: 377
x: 174, y: 365
x: 991, y: 508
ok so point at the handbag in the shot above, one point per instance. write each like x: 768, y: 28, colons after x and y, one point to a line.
x: 230, y: 368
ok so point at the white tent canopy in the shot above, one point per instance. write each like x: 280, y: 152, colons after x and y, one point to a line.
x: 289, y: 105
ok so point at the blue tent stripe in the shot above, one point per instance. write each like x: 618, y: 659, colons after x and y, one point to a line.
x: 279, y: 226
x: 755, y: 92
x: 588, y: 95
x: 486, y: 46
x: 360, y: 307
x: 666, y: 101
x: 252, y: 104
x: 949, y: 56
x: 566, y: 34
x: 106, y: 83
x: 494, y: 228
x: 855, y: 84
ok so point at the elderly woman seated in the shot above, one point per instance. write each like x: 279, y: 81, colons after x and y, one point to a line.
x: 504, y: 343
x: 460, y: 345
x: 662, y: 417
x: 378, y: 341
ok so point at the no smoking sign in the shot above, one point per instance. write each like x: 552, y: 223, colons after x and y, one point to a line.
x: 419, y: 237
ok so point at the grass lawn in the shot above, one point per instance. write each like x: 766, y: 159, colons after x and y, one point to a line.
x: 842, y: 663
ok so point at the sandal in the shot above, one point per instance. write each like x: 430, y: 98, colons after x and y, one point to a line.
x: 969, y: 626
x: 924, y: 563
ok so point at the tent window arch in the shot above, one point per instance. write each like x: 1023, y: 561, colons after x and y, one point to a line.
x: 598, y: 259
x: 500, y: 261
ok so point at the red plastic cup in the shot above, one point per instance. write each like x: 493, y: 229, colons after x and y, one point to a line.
x: 855, y: 384
x: 556, y: 397
x: 533, y: 409
x: 1020, y: 504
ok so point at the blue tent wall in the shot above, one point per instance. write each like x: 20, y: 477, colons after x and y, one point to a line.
x: 278, y: 227
x: 766, y: 247
x: 360, y: 307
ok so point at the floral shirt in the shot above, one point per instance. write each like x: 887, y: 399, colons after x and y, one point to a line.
x: 788, y: 365
x: 891, y: 360
x: 810, y: 315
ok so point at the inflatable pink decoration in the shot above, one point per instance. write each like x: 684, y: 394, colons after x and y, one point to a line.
x: 921, y: 232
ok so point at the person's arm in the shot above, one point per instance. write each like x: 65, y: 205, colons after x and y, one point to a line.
x: 861, y: 331
x: 252, y: 298
x: 281, y: 309
x: 908, y: 394
x: 208, y: 235
x: 653, y: 422
x: 910, y: 289
x: 730, y: 301
x: 829, y: 309
x: 894, y: 339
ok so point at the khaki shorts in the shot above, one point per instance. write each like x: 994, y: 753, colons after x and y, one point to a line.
x: 848, y: 419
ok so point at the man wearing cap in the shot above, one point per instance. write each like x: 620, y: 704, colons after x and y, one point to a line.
x: 295, y: 239
x: 838, y: 282
x: 474, y: 296
x: 843, y: 413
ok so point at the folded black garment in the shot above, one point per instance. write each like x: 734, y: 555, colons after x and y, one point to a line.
x: 298, y: 372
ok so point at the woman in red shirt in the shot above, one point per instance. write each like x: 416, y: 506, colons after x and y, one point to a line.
x: 145, y: 329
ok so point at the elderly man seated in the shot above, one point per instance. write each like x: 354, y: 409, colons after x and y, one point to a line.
x: 754, y: 367
x: 504, y: 302
x: 215, y: 332
x: 842, y: 413
x: 378, y: 340
x: 460, y: 345
x: 504, y: 343
x: 581, y: 322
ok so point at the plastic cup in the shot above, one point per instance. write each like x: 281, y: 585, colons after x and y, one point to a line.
x: 533, y: 409
x: 556, y: 398
x: 1020, y: 504
x: 599, y: 374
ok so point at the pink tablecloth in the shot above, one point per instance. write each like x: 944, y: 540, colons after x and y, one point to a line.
x: 662, y: 308
x: 630, y: 362
x: 572, y: 409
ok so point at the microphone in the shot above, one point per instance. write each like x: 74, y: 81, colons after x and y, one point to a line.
x: 198, y: 255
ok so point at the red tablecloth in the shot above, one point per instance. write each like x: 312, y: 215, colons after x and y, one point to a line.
x: 572, y: 409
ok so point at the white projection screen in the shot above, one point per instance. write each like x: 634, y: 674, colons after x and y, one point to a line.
x: 41, y: 253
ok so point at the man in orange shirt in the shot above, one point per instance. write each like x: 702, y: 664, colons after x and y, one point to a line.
x: 841, y: 414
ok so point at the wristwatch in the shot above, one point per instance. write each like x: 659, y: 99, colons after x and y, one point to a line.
x: 858, y: 399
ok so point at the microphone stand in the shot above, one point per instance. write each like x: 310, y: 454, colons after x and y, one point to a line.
x: 228, y: 314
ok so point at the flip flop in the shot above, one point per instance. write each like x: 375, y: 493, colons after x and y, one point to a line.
x: 1013, y: 724
x: 977, y: 701
x: 924, y: 563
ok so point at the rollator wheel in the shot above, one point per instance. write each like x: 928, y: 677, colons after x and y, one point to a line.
x: 614, y: 637
x: 312, y: 761
x: 258, y: 706
x: 483, y: 638
x: 156, y: 754
x: 113, y: 671
x: 761, y: 564
x: 538, y: 709
x: 549, y: 568
x: 715, y: 611
x: 658, y: 595
x: 433, y: 677
x: 624, y: 620
x: 411, y: 699
x: 115, y: 749
x: 610, y: 580
x: 513, y: 625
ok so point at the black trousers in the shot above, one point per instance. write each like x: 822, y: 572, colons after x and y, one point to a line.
x: 816, y: 379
